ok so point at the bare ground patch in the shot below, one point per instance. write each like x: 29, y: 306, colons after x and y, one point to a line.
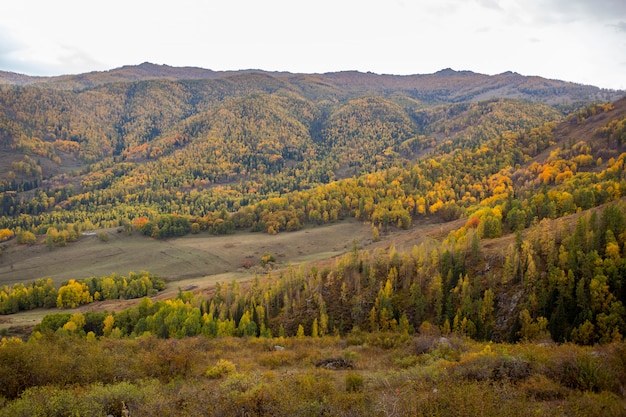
x: 192, y: 256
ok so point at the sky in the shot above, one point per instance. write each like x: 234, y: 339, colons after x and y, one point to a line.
x: 582, y: 41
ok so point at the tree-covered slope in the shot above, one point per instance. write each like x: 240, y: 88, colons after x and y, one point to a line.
x: 109, y: 155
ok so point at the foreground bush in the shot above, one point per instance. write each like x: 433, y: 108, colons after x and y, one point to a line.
x: 61, y: 375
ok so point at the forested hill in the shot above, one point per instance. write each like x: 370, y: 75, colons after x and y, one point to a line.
x: 153, y: 140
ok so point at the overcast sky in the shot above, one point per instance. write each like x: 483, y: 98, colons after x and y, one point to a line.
x: 583, y: 41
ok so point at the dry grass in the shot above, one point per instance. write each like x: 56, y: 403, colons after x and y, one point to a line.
x: 175, y: 259
x: 250, y: 376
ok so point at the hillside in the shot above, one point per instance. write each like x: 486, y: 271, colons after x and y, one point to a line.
x: 241, y: 136
x: 255, y: 152
x: 451, y: 235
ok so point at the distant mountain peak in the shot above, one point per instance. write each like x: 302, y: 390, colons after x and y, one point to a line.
x: 449, y: 72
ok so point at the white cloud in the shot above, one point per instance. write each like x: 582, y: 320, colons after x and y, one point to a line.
x: 574, y: 40
x: 603, y: 10
x: 620, y: 26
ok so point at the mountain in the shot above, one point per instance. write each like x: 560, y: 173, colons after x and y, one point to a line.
x: 443, y: 86
x: 253, y: 151
x: 102, y: 134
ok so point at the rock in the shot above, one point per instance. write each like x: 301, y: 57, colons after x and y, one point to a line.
x: 334, y: 364
x: 444, y: 342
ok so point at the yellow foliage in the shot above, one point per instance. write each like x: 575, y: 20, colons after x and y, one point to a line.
x: 222, y: 368
x: 109, y: 321
x: 563, y: 176
x: 73, y: 294
x: 6, y: 234
x: 434, y: 208
x: 612, y: 250
x: 70, y: 326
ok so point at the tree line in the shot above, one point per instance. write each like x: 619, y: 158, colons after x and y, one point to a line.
x: 42, y: 293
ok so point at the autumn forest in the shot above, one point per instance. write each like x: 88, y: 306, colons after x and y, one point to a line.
x: 520, y: 294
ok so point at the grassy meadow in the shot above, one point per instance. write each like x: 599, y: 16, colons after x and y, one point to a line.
x: 175, y: 259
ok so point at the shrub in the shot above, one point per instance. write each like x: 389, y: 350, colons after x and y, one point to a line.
x: 277, y: 358
x: 582, y: 371
x: 491, y: 367
x: 386, y: 340
x: 350, y: 355
x: 6, y: 234
x: 222, y: 368
x: 449, y: 349
x: 355, y: 338
x: 542, y: 388
x: 247, y: 263
x: 267, y: 259
x: 424, y: 344
x: 407, y: 361
x: 27, y: 238
x: 354, y: 382
x: 604, y: 404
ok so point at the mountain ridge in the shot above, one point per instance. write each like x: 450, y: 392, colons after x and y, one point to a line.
x: 446, y: 85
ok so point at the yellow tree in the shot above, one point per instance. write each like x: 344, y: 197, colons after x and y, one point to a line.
x: 73, y: 294
x: 109, y: 321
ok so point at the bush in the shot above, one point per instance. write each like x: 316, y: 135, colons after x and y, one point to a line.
x: 277, y: 358
x: 90, y: 401
x: 247, y: 263
x: 267, y: 259
x: 541, y: 388
x: 355, y: 338
x: 222, y: 368
x: 604, y: 404
x: 354, y: 382
x: 407, y: 361
x: 424, y: 344
x: 386, y: 340
x: 6, y: 234
x: 350, y: 355
x: 27, y: 238
x: 449, y: 349
x: 583, y: 371
x: 492, y: 367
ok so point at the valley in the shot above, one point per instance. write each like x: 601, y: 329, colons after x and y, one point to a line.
x: 194, y: 263
x: 210, y: 237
